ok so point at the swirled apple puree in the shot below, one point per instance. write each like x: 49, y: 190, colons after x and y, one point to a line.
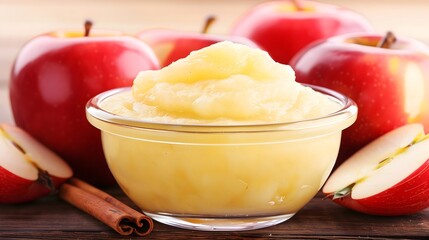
x: 220, y: 84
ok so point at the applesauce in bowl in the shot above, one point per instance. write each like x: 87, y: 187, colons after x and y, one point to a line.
x: 235, y: 168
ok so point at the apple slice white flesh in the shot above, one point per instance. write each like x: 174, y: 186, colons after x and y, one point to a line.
x: 25, y: 164
x: 382, y: 165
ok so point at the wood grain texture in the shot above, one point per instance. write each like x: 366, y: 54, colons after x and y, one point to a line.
x: 51, y: 218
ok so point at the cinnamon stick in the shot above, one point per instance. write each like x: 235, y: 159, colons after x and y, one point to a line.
x: 105, y: 208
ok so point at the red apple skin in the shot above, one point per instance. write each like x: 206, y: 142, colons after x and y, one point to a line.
x: 282, y: 30
x: 172, y: 45
x: 15, y: 189
x: 52, y: 79
x: 409, y: 196
x: 374, y: 78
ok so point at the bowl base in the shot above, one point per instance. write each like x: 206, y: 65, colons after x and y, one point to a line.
x: 219, y: 223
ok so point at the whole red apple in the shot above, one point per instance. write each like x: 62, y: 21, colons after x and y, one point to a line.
x: 389, y: 85
x: 388, y: 177
x: 53, y: 77
x: 171, y: 45
x: 28, y: 170
x: 282, y: 28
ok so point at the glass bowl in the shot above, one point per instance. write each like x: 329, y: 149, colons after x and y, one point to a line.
x: 217, y: 177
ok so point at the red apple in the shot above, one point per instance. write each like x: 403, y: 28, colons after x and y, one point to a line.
x: 389, y: 176
x: 282, y: 28
x: 389, y: 85
x: 28, y: 170
x: 171, y: 45
x: 53, y: 77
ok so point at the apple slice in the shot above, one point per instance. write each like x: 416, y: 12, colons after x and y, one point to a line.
x: 388, y: 177
x: 28, y: 170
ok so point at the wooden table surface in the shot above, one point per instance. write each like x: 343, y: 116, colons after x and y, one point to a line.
x: 51, y: 218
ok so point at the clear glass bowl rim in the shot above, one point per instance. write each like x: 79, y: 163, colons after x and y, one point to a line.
x: 344, y: 116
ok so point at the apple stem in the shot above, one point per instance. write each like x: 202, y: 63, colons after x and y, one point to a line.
x: 88, y: 25
x: 387, y: 41
x: 45, y: 179
x: 209, y: 22
x: 298, y: 5
x: 342, y: 193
